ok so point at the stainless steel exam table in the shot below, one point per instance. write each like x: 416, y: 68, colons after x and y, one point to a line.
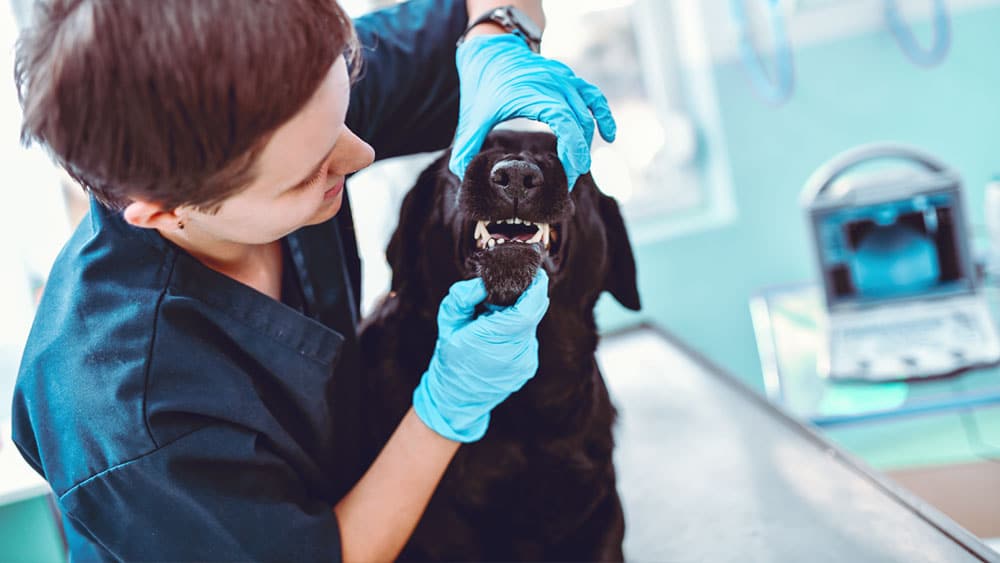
x: 710, y: 471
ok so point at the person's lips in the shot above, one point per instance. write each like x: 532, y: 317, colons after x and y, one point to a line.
x: 332, y: 192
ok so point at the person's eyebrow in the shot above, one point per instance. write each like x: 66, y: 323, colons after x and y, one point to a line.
x: 312, y: 172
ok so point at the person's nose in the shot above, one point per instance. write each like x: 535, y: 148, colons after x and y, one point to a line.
x: 516, y: 179
x: 351, y: 154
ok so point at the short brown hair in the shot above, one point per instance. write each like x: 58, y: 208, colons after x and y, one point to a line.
x: 171, y: 100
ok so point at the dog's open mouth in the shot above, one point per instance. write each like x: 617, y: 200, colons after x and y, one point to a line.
x: 545, y: 238
x: 490, y: 234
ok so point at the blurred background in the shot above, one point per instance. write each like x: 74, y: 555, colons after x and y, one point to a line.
x: 714, y: 147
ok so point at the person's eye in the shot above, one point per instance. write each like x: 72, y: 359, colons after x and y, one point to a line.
x: 311, y: 181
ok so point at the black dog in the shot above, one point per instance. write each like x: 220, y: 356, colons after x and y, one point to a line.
x: 540, y: 485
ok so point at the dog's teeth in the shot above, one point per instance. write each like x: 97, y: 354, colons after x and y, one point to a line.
x: 500, y: 241
x: 545, y: 234
x: 528, y: 223
x: 481, y: 231
x: 517, y: 221
x: 491, y: 243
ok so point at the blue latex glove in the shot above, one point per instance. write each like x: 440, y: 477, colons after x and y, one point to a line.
x: 500, y: 78
x: 478, y: 362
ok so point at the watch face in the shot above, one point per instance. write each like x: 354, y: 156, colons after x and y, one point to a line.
x: 523, y: 23
x: 513, y: 21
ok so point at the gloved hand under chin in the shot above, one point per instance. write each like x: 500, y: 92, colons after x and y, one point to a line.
x: 478, y: 362
x: 500, y: 78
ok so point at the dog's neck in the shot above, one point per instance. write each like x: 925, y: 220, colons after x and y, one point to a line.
x: 563, y: 395
x: 570, y: 330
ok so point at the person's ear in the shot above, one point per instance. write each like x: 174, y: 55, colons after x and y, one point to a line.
x: 151, y: 215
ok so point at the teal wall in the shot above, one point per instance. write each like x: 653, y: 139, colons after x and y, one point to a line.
x: 852, y: 91
x: 27, y: 533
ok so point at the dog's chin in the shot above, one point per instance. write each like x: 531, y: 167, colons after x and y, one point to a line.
x: 507, y: 270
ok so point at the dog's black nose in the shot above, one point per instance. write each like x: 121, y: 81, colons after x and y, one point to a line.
x: 516, y: 178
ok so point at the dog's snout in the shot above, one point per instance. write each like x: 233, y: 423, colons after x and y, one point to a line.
x: 516, y: 177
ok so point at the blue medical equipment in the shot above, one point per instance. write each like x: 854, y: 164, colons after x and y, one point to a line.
x: 908, y: 43
x: 778, y: 89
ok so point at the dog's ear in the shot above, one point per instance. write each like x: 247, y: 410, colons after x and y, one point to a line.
x: 620, y: 280
x: 403, y: 250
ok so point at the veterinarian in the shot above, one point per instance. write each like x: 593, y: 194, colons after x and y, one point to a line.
x: 190, y: 385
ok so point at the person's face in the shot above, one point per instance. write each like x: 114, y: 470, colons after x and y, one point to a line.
x: 300, y: 172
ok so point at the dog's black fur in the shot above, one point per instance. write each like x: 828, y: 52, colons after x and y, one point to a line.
x: 541, y: 484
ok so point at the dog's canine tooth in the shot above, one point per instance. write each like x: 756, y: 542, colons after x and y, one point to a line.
x: 481, y: 231
x: 545, y: 234
x: 491, y: 243
x: 537, y: 237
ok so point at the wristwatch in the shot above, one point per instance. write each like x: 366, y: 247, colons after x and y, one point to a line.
x: 514, y: 21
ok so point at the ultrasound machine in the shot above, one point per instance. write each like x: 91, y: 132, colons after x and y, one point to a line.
x: 902, y: 294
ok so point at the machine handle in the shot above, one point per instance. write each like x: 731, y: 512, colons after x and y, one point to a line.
x: 839, y: 165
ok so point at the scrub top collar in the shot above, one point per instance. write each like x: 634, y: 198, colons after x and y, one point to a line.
x: 308, y: 335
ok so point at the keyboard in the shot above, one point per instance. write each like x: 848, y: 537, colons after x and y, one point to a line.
x: 913, y: 341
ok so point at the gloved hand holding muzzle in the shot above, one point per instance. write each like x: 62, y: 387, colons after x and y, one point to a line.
x: 500, y: 78
x: 478, y: 362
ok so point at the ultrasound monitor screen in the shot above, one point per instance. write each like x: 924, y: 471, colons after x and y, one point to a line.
x: 893, y: 250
